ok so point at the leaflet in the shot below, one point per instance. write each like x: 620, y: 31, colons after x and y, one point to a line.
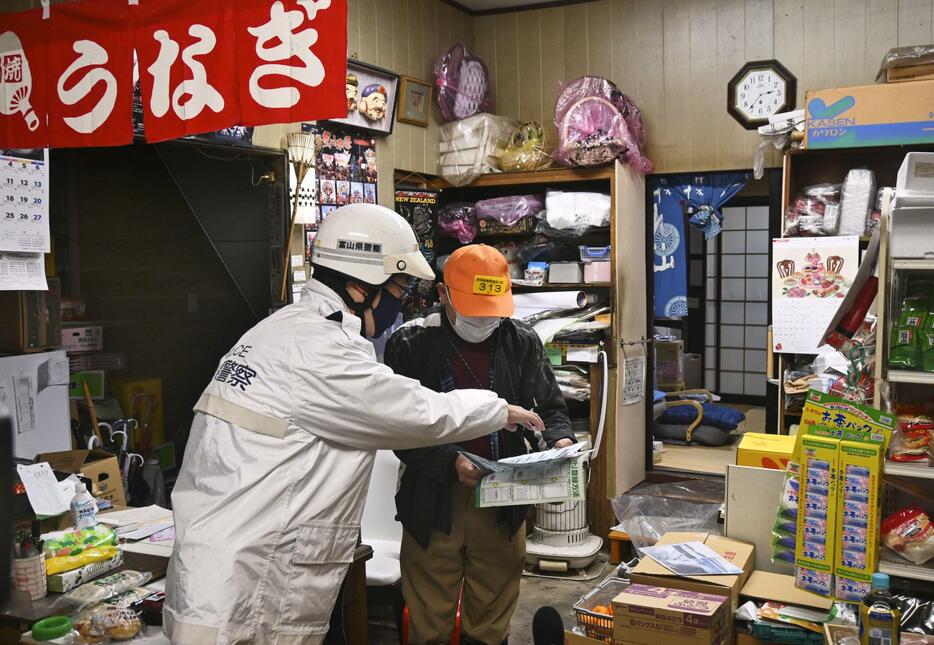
x: 555, y: 475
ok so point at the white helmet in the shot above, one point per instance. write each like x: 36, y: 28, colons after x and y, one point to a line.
x: 370, y: 243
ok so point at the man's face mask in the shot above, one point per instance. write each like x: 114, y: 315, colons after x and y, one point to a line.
x: 473, y: 329
x: 476, y: 329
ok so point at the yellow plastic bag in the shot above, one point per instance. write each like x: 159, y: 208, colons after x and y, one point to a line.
x: 69, y: 562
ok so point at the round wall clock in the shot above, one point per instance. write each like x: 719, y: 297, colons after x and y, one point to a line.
x: 759, y: 90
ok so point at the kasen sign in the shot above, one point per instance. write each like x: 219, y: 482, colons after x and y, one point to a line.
x: 67, y: 80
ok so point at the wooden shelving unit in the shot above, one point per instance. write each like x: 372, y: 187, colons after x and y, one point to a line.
x: 621, y: 464
x: 802, y: 168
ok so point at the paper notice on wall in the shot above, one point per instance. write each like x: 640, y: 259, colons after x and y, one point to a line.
x: 24, y: 201
x: 633, y: 379
x: 583, y: 354
x: 24, y: 400
x: 54, y: 371
x: 22, y: 272
x: 42, y: 489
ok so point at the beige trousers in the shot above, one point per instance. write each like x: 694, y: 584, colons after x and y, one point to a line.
x: 477, y: 554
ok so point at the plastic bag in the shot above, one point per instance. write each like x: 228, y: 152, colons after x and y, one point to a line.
x: 651, y: 511
x: 526, y: 149
x: 576, y: 212
x: 104, y: 588
x: 471, y: 147
x: 597, y: 123
x: 458, y: 220
x: 910, y: 534
x: 110, y: 623
x: 912, y: 56
x: 72, y: 542
x: 857, y: 198
x: 60, y: 564
x: 463, y: 82
x: 509, y: 210
x: 912, y: 436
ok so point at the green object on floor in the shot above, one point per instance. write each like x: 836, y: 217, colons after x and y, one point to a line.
x: 51, y: 628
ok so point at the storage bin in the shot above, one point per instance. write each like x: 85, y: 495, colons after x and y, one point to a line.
x: 596, y: 272
x: 594, y: 253
x: 565, y: 272
x: 594, y: 624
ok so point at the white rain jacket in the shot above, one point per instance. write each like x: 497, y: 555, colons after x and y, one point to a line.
x: 270, y: 494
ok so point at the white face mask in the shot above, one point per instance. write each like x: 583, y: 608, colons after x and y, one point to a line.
x: 476, y: 329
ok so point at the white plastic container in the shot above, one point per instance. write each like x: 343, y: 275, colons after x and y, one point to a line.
x: 912, y: 234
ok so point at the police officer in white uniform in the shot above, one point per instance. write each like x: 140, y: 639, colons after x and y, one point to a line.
x: 269, y: 497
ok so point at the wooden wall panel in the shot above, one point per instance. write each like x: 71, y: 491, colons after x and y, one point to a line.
x: 675, y: 57
x: 406, y: 37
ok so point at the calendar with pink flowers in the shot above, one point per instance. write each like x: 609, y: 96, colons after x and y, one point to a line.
x: 810, y: 278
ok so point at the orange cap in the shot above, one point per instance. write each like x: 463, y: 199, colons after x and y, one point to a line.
x: 477, y: 279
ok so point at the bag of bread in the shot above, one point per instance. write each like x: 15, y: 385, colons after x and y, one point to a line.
x: 910, y: 534
x: 105, y: 588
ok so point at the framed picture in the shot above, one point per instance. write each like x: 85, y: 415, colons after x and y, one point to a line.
x: 415, y: 105
x: 371, y: 98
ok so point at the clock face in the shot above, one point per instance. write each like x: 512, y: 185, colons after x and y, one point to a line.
x: 759, y: 94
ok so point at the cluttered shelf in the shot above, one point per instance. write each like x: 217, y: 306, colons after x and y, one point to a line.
x: 922, y: 471
x: 891, y: 564
x: 904, y: 264
x: 551, y: 176
x: 909, y: 376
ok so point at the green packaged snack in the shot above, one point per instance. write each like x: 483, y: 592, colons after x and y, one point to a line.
x: 903, y: 348
x: 914, y: 313
x: 927, y: 344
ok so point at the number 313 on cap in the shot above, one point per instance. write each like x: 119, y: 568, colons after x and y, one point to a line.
x: 485, y: 285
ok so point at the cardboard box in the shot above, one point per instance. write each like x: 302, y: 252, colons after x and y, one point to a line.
x: 68, y: 580
x: 870, y: 115
x: 83, y: 338
x: 764, y: 585
x: 570, y: 638
x: 749, y: 639
x: 850, y: 421
x: 124, y: 390
x: 652, y: 615
x: 99, y: 466
x: 765, y: 450
x: 921, y: 72
x: 650, y: 572
x: 858, y: 508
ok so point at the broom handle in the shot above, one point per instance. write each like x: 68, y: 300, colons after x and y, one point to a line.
x: 300, y: 170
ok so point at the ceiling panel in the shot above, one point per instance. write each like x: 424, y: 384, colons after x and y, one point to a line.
x: 487, y: 5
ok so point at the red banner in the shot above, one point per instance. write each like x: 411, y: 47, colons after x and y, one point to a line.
x: 187, y: 67
x: 91, y: 75
x: 24, y: 69
x: 292, y: 57
x: 68, y: 80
